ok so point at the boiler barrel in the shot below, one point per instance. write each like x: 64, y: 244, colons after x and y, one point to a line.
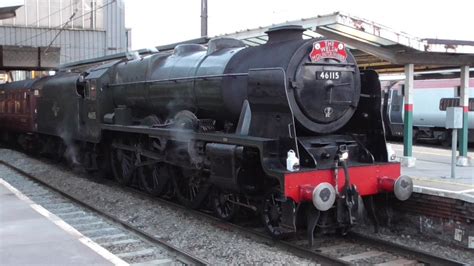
x: 191, y: 78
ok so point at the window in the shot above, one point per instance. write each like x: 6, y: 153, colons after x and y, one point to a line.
x: 55, y: 17
x: 17, y: 107
x: 43, y: 13
x: 99, y: 14
x: 78, y: 18
x: 67, y: 9
x: 89, y: 7
x: 2, y: 102
x: 10, y: 107
x: 31, y: 12
x: 17, y: 103
x: 9, y: 103
x: 26, y: 108
x: 444, y: 103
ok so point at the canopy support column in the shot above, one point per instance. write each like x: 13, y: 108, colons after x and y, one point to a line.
x: 462, y: 159
x: 408, y: 160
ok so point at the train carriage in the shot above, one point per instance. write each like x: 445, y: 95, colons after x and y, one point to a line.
x: 18, y: 105
x: 431, y: 97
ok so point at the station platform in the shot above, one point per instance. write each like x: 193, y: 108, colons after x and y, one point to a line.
x: 432, y: 173
x: 30, y: 235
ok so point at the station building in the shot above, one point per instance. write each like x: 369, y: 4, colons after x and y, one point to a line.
x: 42, y: 34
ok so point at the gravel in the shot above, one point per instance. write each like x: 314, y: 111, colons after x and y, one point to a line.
x: 214, y: 244
x: 420, y: 242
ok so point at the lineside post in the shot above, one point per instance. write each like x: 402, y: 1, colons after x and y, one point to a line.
x: 453, y: 152
x: 462, y: 159
x: 408, y: 160
x: 203, y: 18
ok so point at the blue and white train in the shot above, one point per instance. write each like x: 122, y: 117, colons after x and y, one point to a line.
x: 431, y: 97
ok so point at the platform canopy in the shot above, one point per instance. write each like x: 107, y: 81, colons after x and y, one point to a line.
x: 375, y: 46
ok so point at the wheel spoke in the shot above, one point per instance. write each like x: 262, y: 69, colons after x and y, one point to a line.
x: 194, y: 191
x: 122, y: 164
x: 271, y: 214
x: 151, y: 178
x: 189, y: 187
x: 126, y: 167
x: 190, y: 190
x: 226, y: 209
x: 127, y: 157
x: 223, y: 208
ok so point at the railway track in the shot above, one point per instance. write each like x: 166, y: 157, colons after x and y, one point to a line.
x: 129, y: 243
x: 354, y: 249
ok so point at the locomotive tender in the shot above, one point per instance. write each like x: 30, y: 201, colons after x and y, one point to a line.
x: 215, y: 124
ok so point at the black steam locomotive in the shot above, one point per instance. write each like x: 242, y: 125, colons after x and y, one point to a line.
x: 290, y: 129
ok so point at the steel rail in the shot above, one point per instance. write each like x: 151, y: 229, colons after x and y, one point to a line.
x: 181, y: 255
x: 419, y: 255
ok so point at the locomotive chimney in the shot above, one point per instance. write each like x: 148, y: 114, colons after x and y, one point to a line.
x: 285, y: 33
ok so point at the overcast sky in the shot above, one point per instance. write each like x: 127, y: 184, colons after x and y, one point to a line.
x: 157, y: 22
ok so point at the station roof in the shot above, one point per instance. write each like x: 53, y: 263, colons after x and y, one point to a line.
x: 375, y: 46
x: 8, y: 8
